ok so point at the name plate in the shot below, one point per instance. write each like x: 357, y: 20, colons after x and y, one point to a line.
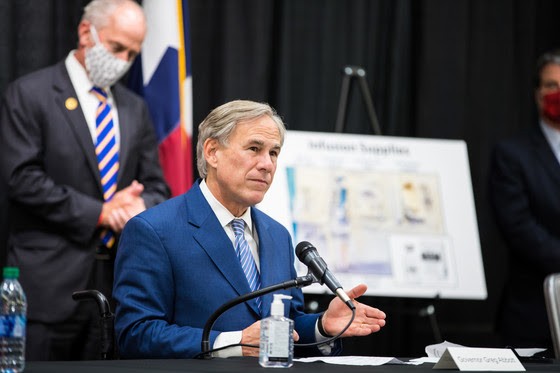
x: 477, y: 359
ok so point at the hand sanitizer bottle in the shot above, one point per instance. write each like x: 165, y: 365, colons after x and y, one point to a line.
x: 277, y: 342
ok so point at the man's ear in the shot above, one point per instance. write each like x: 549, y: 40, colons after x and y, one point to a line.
x: 210, y: 148
x: 84, y: 34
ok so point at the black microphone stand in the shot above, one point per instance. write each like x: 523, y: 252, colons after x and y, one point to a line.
x: 298, y: 282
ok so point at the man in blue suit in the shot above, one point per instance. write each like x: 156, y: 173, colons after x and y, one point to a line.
x: 524, y: 187
x: 176, y: 262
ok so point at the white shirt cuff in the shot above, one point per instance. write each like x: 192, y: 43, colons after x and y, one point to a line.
x: 326, y: 348
x: 225, y: 339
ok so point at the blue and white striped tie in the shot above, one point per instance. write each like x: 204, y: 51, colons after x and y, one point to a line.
x: 246, y: 258
x: 107, y: 153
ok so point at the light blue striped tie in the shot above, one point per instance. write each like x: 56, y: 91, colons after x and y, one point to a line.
x: 246, y: 258
x: 107, y: 153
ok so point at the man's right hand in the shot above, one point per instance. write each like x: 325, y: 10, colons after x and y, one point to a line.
x: 125, y: 204
x: 252, y: 336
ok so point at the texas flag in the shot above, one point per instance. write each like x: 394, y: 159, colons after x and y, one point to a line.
x: 162, y: 75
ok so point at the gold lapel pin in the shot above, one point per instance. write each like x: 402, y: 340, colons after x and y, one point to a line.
x: 71, y: 103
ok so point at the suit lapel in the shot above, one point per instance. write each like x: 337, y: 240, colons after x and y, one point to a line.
x: 266, y: 255
x: 272, y: 256
x: 214, y: 240
x: 76, y: 122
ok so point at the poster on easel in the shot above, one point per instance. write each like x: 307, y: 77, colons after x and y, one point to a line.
x: 394, y: 213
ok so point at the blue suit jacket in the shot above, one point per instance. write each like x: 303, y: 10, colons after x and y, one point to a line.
x: 175, y: 266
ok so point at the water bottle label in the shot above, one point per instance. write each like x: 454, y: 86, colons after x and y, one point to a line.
x: 12, y: 326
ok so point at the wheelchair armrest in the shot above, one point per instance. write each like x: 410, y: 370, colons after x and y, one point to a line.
x: 98, y: 297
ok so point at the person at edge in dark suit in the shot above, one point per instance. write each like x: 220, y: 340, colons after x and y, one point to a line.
x: 177, y: 262
x: 64, y: 217
x: 524, y: 191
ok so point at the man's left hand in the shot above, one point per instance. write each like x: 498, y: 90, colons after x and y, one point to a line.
x: 368, y: 319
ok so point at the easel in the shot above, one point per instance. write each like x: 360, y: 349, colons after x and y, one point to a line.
x: 430, y: 312
x: 351, y: 72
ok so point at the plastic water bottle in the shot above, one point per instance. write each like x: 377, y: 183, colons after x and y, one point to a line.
x: 13, y: 319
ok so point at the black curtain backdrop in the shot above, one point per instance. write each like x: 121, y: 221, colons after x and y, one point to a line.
x: 436, y: 69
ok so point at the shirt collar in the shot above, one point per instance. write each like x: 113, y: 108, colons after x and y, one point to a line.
x: 223, y: 214
x: 78, y: 75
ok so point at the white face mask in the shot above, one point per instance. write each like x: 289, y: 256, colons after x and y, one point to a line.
x: 103, y: 67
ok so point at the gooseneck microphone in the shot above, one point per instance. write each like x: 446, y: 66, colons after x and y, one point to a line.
x: 308, y: 255
x: 298, y: 282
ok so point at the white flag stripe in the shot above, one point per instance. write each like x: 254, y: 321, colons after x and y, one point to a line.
x: 163, y: 32
x: 187, y: 108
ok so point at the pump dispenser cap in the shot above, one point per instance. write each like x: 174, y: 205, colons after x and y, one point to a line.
x: 277, y: 307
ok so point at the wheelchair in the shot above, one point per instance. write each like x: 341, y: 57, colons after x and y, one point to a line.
x: 107, y: 319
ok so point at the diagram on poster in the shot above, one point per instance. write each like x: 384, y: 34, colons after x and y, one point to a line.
x: 394, y: 213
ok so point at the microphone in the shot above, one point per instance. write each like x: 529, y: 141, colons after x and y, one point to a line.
x: 308, y: 255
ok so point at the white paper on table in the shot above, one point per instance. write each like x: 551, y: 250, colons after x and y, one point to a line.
x: 436, y: 350
x: 422, y: 360
x: 353, y: 360
x: 528, y: 352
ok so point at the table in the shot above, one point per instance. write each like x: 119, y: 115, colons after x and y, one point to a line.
x: 231, y: 365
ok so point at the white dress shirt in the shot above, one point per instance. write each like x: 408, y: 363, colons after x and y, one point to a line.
x: 88, y: 101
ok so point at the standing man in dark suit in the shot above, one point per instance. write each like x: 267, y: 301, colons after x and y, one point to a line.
x: 525, y: 193
x: 180, y: 261
x: 77, y: 163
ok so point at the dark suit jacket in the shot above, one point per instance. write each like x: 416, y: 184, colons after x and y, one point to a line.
x: 49, y: 167
x: 525, y: 194
x: 176, y: 266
